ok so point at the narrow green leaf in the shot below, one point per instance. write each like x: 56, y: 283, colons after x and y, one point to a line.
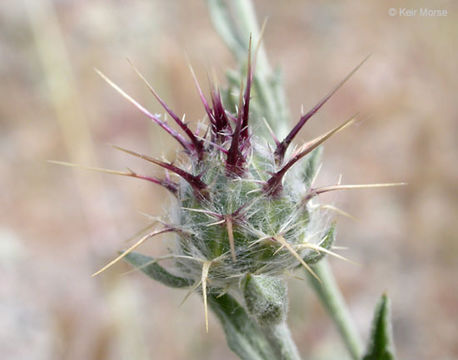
x: 150, y: 267
x: 235, y: 20
x: 225, y: 26
x: 380, y: 345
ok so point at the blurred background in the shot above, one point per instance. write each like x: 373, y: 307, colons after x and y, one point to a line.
x: 58, y: 225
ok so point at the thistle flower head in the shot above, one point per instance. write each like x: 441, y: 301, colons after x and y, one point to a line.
x: 240, y: 205
x: 243, y: 205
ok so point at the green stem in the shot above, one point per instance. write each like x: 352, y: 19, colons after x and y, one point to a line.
x: 249, y: 340
x: 243, y: 335
x: 332, y: 299
x: 281, y: 341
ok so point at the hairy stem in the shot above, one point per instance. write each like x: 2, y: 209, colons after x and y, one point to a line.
x: 281, y: 341
x: 332, y: 299
x: 243, y: 335
x: 247, y: 338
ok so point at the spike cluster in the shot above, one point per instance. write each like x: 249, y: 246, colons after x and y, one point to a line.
x: 241, y: 206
